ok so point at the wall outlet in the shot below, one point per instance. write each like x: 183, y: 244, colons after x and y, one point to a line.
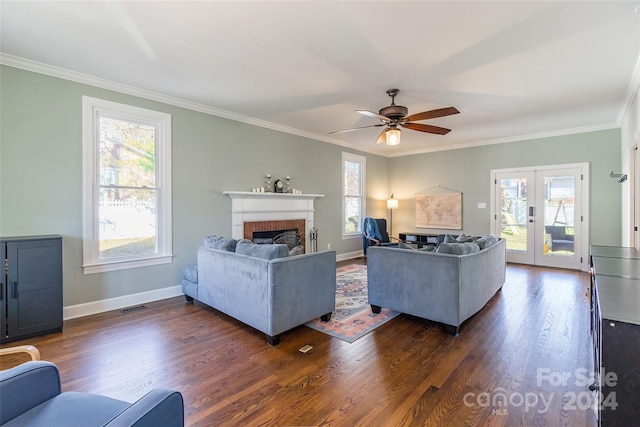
x: 482, y: 206
x: 328, y: 246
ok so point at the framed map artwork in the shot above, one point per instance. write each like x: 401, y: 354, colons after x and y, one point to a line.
x: 439, y: 210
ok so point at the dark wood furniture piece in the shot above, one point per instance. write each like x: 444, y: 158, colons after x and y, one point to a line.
x: 615, y: 327
x: 421, y: 239
x: 30, y: 286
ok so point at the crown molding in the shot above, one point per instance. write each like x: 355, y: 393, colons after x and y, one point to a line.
x: 62, y: 73
x: 518, y: 138
x: 65, y: 74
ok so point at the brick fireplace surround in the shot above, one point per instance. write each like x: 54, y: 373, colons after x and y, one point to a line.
x: 274, y: 211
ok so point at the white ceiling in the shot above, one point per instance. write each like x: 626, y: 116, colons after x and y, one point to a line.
x: 514, y: 69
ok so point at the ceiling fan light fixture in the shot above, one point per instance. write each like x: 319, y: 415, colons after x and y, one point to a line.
x: 393, y: 136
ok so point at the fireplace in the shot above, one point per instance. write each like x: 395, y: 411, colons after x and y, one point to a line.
x: 272, y: 211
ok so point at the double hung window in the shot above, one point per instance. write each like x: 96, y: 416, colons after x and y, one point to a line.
x: 126, y: 186
x: 353, y: 179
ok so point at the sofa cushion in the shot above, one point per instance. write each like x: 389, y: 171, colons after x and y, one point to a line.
x: 268, y: 251
x: 218, y: 242
x: 428, y: 248
x: 403, y: 245
x: 486, y: 241
x: 458, y: 248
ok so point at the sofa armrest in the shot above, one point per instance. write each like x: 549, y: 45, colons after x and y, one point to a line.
x: 301, y: 288
x: 26, y: 386
x: 159, y: 407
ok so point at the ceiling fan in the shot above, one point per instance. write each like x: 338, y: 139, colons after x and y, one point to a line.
x: 395, y: 116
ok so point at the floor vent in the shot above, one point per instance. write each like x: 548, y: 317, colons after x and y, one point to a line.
x: 132, y: 309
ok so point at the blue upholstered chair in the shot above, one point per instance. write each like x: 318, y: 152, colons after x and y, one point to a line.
x: 31, y: 395
x: 374, y: 233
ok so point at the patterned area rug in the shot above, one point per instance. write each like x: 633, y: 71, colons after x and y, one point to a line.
x: 353, y: 317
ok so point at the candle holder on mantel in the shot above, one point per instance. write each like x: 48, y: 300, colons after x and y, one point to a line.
x: 269, y: 185
x: 288, y: 187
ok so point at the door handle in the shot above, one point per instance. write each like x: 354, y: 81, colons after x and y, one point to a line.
x: 530, y: 211
x: 14, y: 291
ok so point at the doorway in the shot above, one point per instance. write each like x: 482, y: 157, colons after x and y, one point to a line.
x: 541, y: 213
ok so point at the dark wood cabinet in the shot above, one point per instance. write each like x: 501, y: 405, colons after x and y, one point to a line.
x: 615, y: 327
x: 30, y: 286
x: 421, y: 239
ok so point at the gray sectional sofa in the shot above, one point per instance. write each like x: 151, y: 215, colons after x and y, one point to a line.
x: 262, y: 286
x: 438, y: 286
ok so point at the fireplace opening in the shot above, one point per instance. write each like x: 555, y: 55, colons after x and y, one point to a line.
x: 291, y: 232
x: 291, y: 238
x: 267, y: 237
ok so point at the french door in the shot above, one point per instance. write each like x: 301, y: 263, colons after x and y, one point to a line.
x: 539, y: 212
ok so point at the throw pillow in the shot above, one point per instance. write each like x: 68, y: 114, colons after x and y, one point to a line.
x: 482, y: 242
x: 298, y: 250
x: 222, y: 243
x: 461, y: 237
x: 448, y: 238
x: 245, y: 247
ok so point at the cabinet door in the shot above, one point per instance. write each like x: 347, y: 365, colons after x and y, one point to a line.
x: 620, y: 398
x: 34, y: 287
x: 3, y: 294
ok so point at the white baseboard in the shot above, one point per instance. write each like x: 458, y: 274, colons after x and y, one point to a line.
x: 349, y: 255
x: 95, y: 307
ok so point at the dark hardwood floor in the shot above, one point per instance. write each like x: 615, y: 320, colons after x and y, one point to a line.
x: 504, y: 369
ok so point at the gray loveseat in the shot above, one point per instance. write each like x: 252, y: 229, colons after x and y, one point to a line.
x: 441, y: 287
x: 264, y: 287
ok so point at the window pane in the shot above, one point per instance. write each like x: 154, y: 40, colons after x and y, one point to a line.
x: 127, y: 222
x: 352, y: 214
x: 352, y: 178
x: 127, y: 153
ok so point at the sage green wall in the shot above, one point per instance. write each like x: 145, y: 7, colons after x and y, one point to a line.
x: 469, y: 171
x: 41, y: 177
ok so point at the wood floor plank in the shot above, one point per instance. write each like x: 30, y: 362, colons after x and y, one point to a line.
x: 407, y: 372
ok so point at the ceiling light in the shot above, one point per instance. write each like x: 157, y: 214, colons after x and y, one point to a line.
x: 393, y: 136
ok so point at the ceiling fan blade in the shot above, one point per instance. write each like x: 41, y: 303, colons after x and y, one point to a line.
x: 382, y: 137
x: 362, y: 127
x: 426, y: 128
x: 375, y: 115
x: 432, y: 114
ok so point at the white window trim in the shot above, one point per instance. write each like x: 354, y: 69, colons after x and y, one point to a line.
x: 363, y: 161
x: 91, y: 260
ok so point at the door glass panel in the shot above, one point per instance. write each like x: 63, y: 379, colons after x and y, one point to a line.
x: 559, y: 217
x: 513, y: 196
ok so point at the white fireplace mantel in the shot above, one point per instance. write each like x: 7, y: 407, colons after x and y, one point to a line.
x: 262, y: 196
x: 248, y: 206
